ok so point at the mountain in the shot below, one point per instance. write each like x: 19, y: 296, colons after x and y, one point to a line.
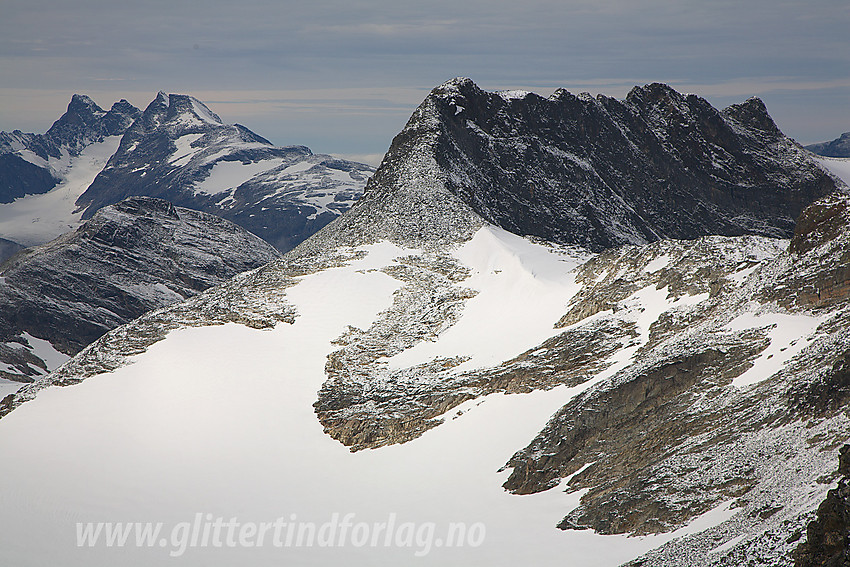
x: 176, y: 149
x: 179, y: 150
x: 840, y: 147
x: 427, y: 377
x: 601, y: 172
x: 42, y: 174
x: 130, y: 258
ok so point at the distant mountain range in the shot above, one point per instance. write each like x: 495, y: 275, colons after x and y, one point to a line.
x: 840, y: 147
x: 568, y: 319
x: 176, y: 149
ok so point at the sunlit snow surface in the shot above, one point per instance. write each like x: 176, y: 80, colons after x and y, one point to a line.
x: 36, y: 219
x: 523, y: 289
x: 788, y: 334
x: 219, y: 420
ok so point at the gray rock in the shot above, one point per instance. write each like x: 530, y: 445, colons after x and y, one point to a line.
x: 130, y: 258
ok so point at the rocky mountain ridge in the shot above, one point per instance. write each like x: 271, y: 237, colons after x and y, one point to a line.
x: 32, y: 164
x: 130, y: 258
x: 176, y: 149
x: 839, y: 147
x: 600, y: 172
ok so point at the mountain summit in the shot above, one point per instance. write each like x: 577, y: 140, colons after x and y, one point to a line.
x: 601, y: 172
x: 181, y: 151
x: 33, y: 164
x: 85, y: 123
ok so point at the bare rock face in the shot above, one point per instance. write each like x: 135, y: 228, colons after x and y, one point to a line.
x: 27, y: 160
x: 828, y: 537
x: 600, y: 172
x: 132, y: 257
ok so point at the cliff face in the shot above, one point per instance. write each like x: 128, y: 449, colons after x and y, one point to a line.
x: 828, y: 536
x: 601, y: 172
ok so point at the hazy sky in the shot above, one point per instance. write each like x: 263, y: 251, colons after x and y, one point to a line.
x: 342, y: 76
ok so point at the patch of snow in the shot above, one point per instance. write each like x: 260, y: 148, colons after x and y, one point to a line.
x: 226, y: 175
x: 512, y: 94
x: 789, y: 335
x: 36, y: 219
x: 658, y: 263
x: 729, y: 544
x: 205, y: 113
x: 524, y: 290
x: 184, y: 151
x: 46, y: 352
x: 33, y: 158
x: 741, y: 276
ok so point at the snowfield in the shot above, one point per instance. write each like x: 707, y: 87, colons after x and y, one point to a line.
x: 219, y: 421
x: 36, y: 219
x: 839, y: 167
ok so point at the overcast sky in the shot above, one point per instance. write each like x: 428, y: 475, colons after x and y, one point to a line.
x: 342, y: 76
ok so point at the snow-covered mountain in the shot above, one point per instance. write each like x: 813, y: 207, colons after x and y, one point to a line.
x: 419, y: 364
x: 839, y: 147
x: 42, y: 175
x: 138, y: 255
x: 179, y: 150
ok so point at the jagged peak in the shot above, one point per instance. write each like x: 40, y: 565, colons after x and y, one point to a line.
x: 81, y: 124
x: 753, y: 113
x: 83, y: 101
x: 653, y: 93
x: 182, y: 108
x: 561, y: 94
x: 457, y: 88
x: 124, y: 106
x: 82, y: 107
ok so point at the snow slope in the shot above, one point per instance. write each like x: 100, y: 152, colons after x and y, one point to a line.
x: 837, y: 166
x: 36, y: 219
x: 219, y: 420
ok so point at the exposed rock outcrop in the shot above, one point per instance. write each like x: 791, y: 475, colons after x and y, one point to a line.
x: 181, y: 151
x: 130, y: 258
x: 828, y: 537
